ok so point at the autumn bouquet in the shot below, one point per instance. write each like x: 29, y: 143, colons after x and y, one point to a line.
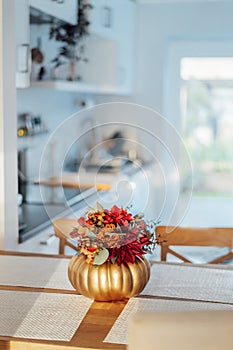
x: 113, y: 235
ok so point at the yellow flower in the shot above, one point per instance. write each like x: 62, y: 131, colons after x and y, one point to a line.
x: 110, y: 226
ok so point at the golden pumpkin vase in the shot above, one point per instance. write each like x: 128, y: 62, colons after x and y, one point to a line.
x: 108, y: 282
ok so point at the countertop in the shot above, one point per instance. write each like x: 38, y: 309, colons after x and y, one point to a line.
x: 35, y: 216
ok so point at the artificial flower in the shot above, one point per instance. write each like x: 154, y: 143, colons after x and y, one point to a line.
x: 114, y: 235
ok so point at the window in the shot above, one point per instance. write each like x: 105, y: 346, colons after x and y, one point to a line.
x: 207, y: 122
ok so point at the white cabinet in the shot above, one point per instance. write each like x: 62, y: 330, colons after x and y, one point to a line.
x: 101, y: 68
x: 22, y: 44
x: 102, y: 18
x: 115, y: 20
x: 110, y: 50
x: 126, y: 40
x: 66, y: 10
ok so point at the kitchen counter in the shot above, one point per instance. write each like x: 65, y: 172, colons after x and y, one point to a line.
x: 34, y: 217
x: 120, y: 189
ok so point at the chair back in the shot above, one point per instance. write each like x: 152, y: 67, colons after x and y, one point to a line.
x: 62, y: 228
x: 189, y: 236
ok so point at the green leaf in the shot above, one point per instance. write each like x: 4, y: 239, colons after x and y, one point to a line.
x: 90, y: 234
x: 119, y: 229
x: 91, y: 209
x: 99, y: 207
x: 101, y: 257
x: 113, y: 260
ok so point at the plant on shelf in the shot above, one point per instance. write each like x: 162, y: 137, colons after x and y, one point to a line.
x: 72, y: 38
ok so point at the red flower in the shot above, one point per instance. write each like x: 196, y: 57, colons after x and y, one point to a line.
x: 115, y: 209
x: 119, y: 216
x: 127, y: 253
x: 92, y: 249
x: 82, y: 221
x: 135, y: 231
x: 125, y: 236
x: 88, y: 223
x: 74, y: 233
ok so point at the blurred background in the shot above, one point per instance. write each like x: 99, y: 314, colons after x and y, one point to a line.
x: 173, y: 57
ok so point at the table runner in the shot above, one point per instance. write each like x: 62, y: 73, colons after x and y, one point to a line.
x: 191, y: 282
x: 118, y: 333
x: 173, y: 280
x: 45, y: 316
x: 37, y: 272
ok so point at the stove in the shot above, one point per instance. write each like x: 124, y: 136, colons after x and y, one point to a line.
x: 33, y: 213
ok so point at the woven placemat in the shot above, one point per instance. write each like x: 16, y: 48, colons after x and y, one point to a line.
x: 45, y: 316
x: 191, y: 282
x: 119, y: 331
x: 37, y: 272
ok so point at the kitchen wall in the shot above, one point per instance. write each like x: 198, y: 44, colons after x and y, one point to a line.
x: 158, y: 26
x: 53, y: 106
x: 8, y: 142
x: 161, y: 24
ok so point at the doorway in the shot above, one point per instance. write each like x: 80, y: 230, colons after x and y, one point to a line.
x: 207, y: 123
x: 198, y: 99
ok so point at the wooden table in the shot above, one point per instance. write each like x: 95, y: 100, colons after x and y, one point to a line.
x: 95, y: 325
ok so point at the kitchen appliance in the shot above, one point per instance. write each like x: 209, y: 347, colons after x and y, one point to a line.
x: 36, y: 216
x: 21, y: 223
x: 35, y: 213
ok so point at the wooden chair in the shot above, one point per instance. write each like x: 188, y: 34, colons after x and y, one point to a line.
x: 186, y: 236
x: 62, y: 229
